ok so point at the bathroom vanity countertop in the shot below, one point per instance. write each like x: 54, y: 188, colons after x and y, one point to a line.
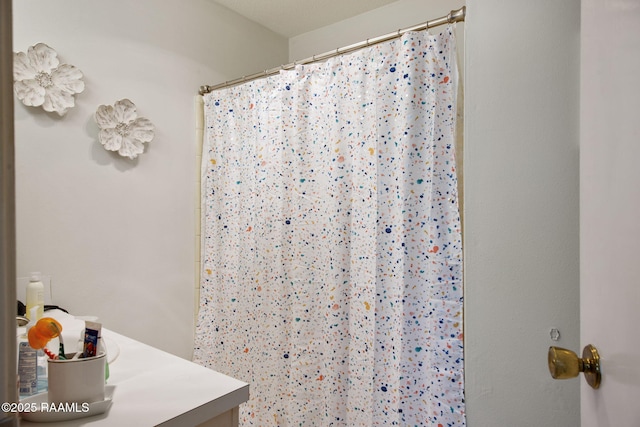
x: 152, y: 387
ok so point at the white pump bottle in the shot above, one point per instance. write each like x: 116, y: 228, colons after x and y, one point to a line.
x: 35, y: 296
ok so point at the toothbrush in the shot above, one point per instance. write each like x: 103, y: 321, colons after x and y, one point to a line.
x: 49, y: 353
x: 61, y: 354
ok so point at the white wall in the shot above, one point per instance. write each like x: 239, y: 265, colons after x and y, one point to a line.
x: 521, y: 195
x: 115, y: 235
x: 521, y: 186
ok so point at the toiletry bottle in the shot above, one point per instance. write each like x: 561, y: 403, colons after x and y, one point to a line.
x: 35, y: 296
x: 42, y: 383
x: 27, y: 363
x: 27, y: 369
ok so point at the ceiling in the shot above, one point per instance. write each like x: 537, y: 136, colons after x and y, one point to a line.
x: 290, y: 18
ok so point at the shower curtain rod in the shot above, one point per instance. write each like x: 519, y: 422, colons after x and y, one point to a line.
x: 453, y: 16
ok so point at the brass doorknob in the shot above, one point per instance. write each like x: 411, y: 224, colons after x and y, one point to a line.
x: 564, y: 364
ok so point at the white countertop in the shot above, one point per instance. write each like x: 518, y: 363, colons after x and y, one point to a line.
x: 152, y: 387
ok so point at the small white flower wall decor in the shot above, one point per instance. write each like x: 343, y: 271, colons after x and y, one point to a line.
x: 40, y: 79
x: 122, y: 130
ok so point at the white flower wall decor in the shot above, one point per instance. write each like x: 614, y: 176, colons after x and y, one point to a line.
x: 122, y: 130
x: 40, y: 79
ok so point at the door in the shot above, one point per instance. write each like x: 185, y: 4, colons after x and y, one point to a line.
x: 610, y: 208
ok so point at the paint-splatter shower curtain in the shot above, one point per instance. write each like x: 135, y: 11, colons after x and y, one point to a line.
x: 332, y: 259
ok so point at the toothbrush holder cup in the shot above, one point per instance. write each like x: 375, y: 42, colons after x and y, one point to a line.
x: 77, y: 380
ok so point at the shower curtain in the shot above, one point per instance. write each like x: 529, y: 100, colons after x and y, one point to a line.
x: 332, y: 259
